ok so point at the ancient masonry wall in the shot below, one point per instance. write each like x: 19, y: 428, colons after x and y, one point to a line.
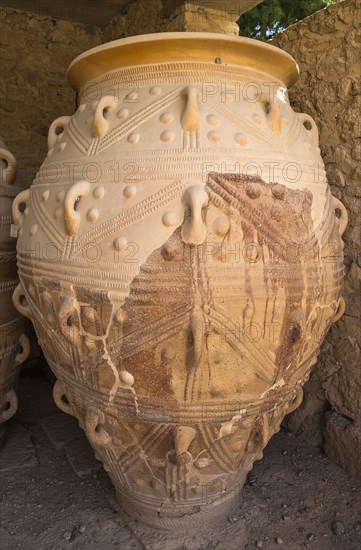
x: 36, y: 51
x: 327, y: 46
x: 147, y: 16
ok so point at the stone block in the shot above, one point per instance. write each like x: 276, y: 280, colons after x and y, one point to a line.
x: 306, y: 421
x: 61, y: 429
x: 18, y: 451
x: 150, y: 16
x: 342, y: 442
x: 343, y: 388
x: 81, y: 457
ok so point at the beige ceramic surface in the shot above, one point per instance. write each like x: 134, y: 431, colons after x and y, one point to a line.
x: 181, y: 261
x: 14, y: 344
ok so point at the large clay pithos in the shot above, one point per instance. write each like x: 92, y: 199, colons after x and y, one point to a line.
x: 181, y: 260
x: 14, y: 344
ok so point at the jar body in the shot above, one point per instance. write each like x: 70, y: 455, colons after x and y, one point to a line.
x: 181, y: 261
x: 14, y: 344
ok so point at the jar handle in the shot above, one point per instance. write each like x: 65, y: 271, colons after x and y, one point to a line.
x: 194, y: 230
x: 310, y: 125
x: 100, y: 124
x: 259, y: 436
x: 68, y: 309
x: 94, y: 420
x: 57, y: 129
x: 58, y: 395
x: 72, y: 198
x: 11, y: 400
x: 20, y: 203
x: 9, y: 171
x: 20, y: 301
x: 22, y: 355
x: 343, y: 219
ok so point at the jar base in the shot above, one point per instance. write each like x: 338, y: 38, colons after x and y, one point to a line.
x: 179, y: 516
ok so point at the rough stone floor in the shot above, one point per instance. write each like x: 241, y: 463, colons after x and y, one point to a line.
x: 55, y: 495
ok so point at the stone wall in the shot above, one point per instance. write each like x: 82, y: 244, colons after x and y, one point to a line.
x: 148, y: 16
x: 35, y: 53
x: 327, y: 46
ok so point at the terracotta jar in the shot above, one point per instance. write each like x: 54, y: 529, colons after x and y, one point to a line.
x: 14, y: 344
x: 181, y: 261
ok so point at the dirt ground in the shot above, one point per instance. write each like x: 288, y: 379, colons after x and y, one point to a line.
x: 55, y: 496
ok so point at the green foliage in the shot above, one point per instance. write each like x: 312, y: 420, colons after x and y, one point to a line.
x: 272, y: 16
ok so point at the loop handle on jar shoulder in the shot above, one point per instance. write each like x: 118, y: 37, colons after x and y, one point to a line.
x: 72, y: 198
x: 273, y: 114
x: 343, y: 218
x: 20, y: 204
x: 8, y: 173
x: 68, y: 318
x: 310, y: 126
x: 61, y: 399
x: 24, y: 344
x: 94, y: 420
x: 259, y: 436
x: 20, y: 301
x: 57, y: 129
x: 9, y: 406
x: 194, y: 230
x: 100, y: 123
